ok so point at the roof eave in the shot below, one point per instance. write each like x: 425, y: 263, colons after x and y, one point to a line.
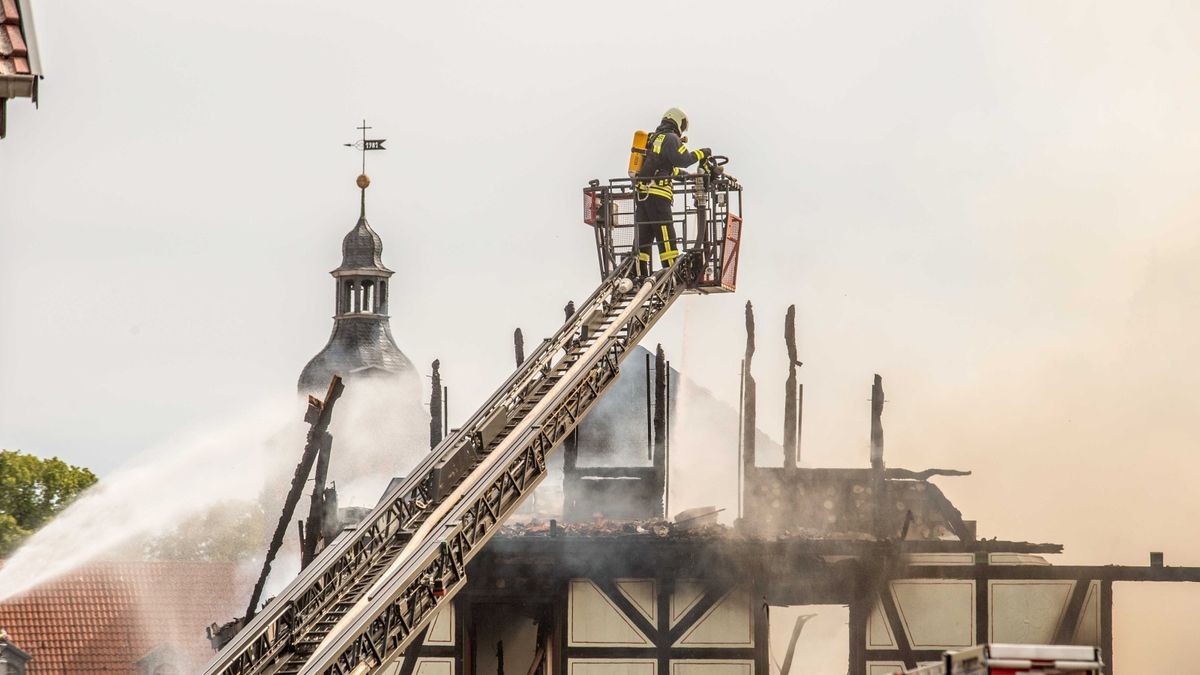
x: 362, y: 272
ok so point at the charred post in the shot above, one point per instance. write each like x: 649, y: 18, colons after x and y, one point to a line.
x: 519, y: 346
x: 435, y: 407
x: 649, y: 412
x: 570, y: 445
x: 750, y: 399
x: 791, y: 424
x: 661, y: 373
x: 330, y: 524
x: 877, y: 423
x: 314, y: 526
x: 878, y: 482
x: 318, y: 416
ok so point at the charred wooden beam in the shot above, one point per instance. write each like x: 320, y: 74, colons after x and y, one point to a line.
x: 952, y: 515
x: 435, y: 406
x: 519, y: 346
x: 892, y: 615
x: 318, y: 416
x: 575, y: 553
x: 791, y: 424
x: 314, y: 526
x: 877, y: 423
x: 923, y: 475
x: 1070, y: 617
x: 661, y: 374
x: 786, y: 668
x: 878, y: 484
x: 749, y: 404
x: 1106, y: 625
x: 1105, y: 573
x: 570, y: 455
x: 332, y: 527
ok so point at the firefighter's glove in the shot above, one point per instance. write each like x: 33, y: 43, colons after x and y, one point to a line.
x: 704, y: 153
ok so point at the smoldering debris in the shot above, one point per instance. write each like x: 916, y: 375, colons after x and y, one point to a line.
x: 602, y: 527
x: 659, y: 528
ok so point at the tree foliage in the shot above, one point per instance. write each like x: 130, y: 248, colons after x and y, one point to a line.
x: 32, y: 491
x: 230, y: 530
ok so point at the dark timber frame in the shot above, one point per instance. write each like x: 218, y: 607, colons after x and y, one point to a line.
x: 786, y: 573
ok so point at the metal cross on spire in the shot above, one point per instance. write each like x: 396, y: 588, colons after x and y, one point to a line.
x: 363, y: 146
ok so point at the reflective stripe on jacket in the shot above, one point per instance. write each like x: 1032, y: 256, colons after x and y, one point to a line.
x: 665, y: 156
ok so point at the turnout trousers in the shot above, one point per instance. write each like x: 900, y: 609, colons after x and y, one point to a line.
x: 654, y: 225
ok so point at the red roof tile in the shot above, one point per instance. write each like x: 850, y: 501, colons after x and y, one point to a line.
x: 105, y: 617
x: 8, y: 12
x: 17, y: 41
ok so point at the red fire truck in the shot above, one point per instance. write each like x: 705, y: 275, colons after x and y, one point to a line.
x: 1001, y: 659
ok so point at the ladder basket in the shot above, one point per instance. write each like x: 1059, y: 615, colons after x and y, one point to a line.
x: 706, y: 213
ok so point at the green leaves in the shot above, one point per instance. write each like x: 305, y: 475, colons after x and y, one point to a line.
x: 230, y: 530
x: 32, y: 491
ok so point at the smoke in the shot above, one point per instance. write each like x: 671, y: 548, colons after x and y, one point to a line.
x: 174, y: 501
x: 1064, y: 381
x: 1083, y: 431
x: 158, y: 490
x: 380, y: 431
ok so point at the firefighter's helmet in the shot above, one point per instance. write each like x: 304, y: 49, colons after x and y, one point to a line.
x: 678, y: 117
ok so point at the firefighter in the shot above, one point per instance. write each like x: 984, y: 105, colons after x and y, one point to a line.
x: 666, y: 155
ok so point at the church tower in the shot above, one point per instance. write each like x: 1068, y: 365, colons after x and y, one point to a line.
x: 361, y: 345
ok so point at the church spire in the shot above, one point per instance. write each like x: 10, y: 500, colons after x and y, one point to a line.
x: 365, y: 145
x: 361, y: 343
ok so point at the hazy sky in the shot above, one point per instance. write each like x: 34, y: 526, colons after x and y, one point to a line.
x: 993, y: 205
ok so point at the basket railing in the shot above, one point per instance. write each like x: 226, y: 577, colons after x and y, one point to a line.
x: 706, y: 213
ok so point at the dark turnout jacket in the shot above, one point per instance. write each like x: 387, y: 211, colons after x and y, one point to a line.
x: 665, y: 156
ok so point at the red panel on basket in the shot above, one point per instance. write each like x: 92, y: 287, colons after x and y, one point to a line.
x: 733, y: 248
x: 591, y: 204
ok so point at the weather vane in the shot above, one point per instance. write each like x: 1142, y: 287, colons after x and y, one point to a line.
x: 363, y: 145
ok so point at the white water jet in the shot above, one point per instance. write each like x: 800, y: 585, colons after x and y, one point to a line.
x: 158, y: 489
x: 378, y: 433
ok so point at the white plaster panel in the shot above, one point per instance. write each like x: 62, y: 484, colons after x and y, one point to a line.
x: 940, y: 558
x: 687, y: 594
x: 1016, y: 559
x: 1087, y: 631
x: 884, y: 667
x: 392, y: 667
x: 594, y: 621
x: 612, y: 666
x: 711, y: 667
x: 434, y: 666
x: 641, y: 593
x: 441, y: 628
x: 439, y: 665
x: 728, y: 623
x: 1026, y: 611
x: 879, y: 633
x: 936, y: 613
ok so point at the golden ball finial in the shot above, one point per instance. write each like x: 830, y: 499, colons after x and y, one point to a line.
x: 363, y: 181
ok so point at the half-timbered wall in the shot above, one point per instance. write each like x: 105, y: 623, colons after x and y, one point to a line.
x: 642, y: 626
x: 440, y: 651
x: 624, y: 626
x: 913, y: 620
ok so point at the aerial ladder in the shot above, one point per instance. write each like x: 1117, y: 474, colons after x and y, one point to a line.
x: 367, y: 596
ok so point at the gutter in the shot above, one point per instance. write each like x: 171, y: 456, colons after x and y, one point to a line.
x: 14, y: 86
